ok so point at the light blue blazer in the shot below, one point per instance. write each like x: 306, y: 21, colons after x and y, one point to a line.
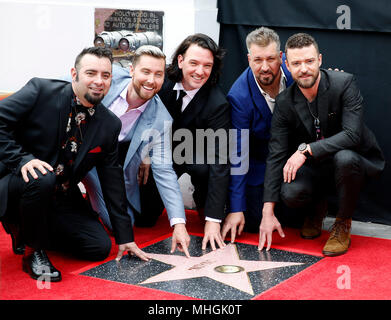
x: 150, y: 136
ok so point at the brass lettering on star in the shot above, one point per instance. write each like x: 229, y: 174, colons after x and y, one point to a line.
x: 201, y: 265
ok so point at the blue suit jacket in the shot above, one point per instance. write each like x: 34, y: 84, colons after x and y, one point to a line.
x: 150, y: 136
x: 249, y: 111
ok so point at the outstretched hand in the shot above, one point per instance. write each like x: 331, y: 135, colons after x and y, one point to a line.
x: 133, y: 249
x: 234, y: 222
x: 180, y: 239
x: 266, y: 228
x: 269, y: 223
x: 212, y: 234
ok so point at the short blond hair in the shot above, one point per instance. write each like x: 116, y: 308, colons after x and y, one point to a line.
x: 147, y: 50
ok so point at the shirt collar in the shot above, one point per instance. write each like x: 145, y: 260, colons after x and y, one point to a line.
x: 143, y: 106
x: 191, y: 93
x: 80, y: 108
x: 124, y: 94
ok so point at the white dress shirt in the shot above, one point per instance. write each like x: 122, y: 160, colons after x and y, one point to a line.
x: 269, y: 100
x: 189, y: 94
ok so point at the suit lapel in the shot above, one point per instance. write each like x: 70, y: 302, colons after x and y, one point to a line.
x: 323, y: 103
x: 168, y: 96
x: 195, y: 106
x: 143, y: 123
x: 169, y: 101
x: 90, y: 134
x: 258, y: 98
x: 301, y: 107
x: 64, y: 104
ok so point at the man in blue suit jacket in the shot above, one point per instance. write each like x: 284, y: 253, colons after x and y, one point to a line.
x: 144, y: 137
x: 252, y: 100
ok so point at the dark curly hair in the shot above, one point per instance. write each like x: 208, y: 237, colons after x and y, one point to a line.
x: 202, y: 40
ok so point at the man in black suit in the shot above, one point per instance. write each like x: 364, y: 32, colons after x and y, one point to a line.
x: 318, y: 142
x: 51, y: 134
x: 196, y: 104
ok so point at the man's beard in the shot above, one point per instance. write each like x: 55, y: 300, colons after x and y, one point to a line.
x: 266, y: 82
x: 307, y: 85
x: 137, y: 86
x: 94, y: 100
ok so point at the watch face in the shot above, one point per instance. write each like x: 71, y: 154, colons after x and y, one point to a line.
x: 302, y: 147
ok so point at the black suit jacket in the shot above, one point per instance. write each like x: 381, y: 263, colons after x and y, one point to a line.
x: 33, y: 124
x: 208, y: 109
x: 340, y: 107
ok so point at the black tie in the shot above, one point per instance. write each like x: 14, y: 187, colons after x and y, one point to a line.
x: 179, y: 102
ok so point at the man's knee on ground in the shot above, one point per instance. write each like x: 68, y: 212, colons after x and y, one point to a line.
x: 97, y: 251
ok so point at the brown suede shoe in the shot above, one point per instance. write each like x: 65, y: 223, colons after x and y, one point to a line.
x: 339, y: 240
x: 312, y: 227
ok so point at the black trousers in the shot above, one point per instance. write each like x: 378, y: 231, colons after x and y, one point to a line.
x: 343, y: 174
x: 151, y: 203
x: 56, y: 220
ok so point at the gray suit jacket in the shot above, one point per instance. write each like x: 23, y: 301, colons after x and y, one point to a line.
x: 340, y: 107
x: 150, y: 136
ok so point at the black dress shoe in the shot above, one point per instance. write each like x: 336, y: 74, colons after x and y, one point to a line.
x: 37, y: 264
x: 17, y: 242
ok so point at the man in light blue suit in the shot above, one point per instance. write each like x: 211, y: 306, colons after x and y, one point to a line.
x: 144, y: 140
x: 252, y: 99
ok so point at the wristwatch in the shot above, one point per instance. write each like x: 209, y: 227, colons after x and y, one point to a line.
x: 303, y: 149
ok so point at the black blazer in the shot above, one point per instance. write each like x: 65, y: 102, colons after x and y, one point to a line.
x: 208, y: 109
x: 32, y: 125
x: 340, y: 107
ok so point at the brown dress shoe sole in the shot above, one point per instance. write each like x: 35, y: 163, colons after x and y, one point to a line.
x: 334, y: 254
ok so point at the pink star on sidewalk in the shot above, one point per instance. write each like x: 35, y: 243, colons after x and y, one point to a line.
x: 204, y: 266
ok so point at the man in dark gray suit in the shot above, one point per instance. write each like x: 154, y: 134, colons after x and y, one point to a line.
x: 318, y: 142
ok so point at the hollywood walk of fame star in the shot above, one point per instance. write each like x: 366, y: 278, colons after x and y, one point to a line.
x: 205, y: 266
